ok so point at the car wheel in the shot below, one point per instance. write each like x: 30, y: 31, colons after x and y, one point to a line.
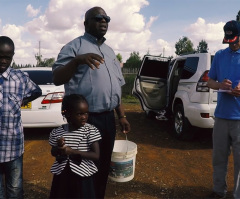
x: 182, y: 127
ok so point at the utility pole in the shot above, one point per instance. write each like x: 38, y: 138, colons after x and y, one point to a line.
x: 39, y: 56
x: 39, y: 50
x: 238, y: 16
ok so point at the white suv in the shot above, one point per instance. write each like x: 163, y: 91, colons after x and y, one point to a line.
x: 179, y: 87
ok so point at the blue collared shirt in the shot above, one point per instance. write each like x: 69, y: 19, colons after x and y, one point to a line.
x: 14, y: 86
x: 226, y: 64
x: 101, y: 87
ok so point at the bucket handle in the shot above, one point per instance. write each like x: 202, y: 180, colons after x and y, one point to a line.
x: 127, y: 145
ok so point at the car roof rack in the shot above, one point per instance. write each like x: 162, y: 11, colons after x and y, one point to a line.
x: 194, y: 52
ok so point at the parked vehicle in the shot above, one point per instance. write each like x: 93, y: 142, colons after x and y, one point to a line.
x: 44, y: 111
x: 178, y: 87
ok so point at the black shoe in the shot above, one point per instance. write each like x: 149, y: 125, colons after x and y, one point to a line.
x: 215, y: 195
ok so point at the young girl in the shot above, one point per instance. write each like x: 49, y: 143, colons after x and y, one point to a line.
x: 75, y: 146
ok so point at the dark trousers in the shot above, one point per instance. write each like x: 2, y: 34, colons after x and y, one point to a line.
x: 105, y: 122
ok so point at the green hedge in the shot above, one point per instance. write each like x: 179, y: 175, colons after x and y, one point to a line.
x: 127, y: 88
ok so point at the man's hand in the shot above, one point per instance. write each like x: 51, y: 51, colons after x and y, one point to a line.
x: 63, y: 74
x: 236, y: 91
x: 125, y: 126
x: 91, y: 59
x: 226, y: 84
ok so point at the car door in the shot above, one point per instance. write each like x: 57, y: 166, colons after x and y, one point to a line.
x: 150, y: 85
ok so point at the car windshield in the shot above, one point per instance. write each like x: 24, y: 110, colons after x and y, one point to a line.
x: 40, y: 77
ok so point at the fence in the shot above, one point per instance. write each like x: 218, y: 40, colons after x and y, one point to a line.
x: 129, y: 76
x: 129, y: 70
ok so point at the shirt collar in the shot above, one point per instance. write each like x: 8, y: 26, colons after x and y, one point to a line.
x: 92, y: 38
x: 6, y: 74
x: 229, y: 50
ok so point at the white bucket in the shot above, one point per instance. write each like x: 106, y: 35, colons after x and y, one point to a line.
x: 123, y: 159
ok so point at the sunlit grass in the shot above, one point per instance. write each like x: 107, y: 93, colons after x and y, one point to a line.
x: 129, y: 99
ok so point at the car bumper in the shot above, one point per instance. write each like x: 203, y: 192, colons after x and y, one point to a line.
x: 42, y: 119
x: 193, y: 113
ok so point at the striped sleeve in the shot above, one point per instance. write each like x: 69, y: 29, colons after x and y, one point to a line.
x: 54, y: 135
x: 94, y: 135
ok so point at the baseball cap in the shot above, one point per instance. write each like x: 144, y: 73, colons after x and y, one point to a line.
x: 231, y: 32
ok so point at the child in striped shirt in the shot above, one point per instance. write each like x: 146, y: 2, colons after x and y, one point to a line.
x: 75, y: 146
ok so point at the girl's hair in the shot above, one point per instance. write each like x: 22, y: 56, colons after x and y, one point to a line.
x: 69, y: 101
x: 7, y: 40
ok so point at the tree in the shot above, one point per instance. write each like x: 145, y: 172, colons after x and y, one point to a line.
x: 44, y: 63
x: 14, y: 65
x: 183, y: 46
x: 119, y: 57
x: 202, y: 47
x: 39, y: 59
x: 48, y: 62
x: 134, y: 61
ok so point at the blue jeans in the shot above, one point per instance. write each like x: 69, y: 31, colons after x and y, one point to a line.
x: 13, y: 181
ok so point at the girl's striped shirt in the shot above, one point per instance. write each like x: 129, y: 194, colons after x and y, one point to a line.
x: 81, y: 140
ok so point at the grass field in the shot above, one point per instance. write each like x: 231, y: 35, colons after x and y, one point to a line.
x: 129, y: 99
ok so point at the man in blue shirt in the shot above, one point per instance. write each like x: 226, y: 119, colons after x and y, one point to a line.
x: 224, y: 76
x: 89, y: 67
x: 16, y: 89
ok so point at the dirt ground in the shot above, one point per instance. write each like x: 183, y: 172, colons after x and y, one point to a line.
x: 165, y: 167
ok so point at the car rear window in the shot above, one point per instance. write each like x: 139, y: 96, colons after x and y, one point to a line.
x: 155, y: 67
x: 40, y: 77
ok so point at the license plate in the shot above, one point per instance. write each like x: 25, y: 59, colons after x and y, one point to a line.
x: 28, y: 106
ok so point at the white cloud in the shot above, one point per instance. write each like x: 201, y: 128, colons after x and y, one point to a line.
x: 149, y: 24
x: 12, y: 31
x: 211, y: 33
x: 63, y: 21
x: 165, y: 48
x: 23, y: 47
x: 125, y: 43
x: 31, y: 11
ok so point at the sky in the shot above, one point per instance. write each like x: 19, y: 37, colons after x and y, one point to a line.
x: 144, y: 26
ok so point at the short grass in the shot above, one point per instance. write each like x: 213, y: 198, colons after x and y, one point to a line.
x: 129, y: 99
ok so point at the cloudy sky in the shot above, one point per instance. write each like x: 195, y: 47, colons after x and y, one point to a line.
x: 136, y: 25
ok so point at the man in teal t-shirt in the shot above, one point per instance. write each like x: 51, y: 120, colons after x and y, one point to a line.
x: 224, y: 76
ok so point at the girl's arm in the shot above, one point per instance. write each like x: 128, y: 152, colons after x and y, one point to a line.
x: 93, y: 154
x: 54, y: 151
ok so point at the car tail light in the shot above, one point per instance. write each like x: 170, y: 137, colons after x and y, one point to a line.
x: 53, y: 98
x: 202, y: 83
x: 205, y: 115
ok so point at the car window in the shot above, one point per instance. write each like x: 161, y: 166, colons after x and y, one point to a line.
x: 40, y: 77
x: 155, y: 67
x: 190, y: 67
